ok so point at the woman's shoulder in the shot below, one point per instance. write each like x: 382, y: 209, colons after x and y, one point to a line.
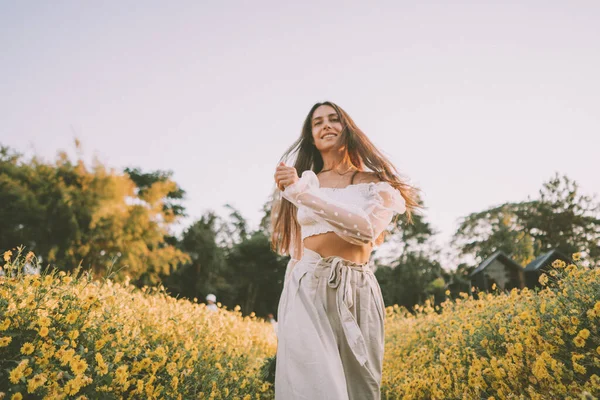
x: 366, y: 177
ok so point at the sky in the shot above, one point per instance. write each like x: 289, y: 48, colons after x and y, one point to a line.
x: 476, y: 103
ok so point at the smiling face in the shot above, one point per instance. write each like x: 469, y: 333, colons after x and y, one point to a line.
x: 326, y: 128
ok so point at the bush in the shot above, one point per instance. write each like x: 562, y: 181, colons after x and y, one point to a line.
x: 67, y: 336
x: 539, y: 345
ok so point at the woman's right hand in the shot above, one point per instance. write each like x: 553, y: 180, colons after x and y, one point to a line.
x: 285, y: 176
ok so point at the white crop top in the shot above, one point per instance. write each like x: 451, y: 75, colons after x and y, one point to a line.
x: 357, y: 213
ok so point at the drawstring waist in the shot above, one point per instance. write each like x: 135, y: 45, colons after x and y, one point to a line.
x: 339, y: 273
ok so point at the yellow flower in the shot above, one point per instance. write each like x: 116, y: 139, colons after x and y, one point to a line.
x: 584, y: 333
x: 66, y: 356
x: 121, y: 374
x: 4, y: 325
x: 16, y: 375
x: 71, y: 318
x: 172, y: 368
x: 558, y: 264
x: 48, y: 280
x: 27, y: 349
x: 543, y: 279
x: 43, y: 331
x: 36, y: 382
x: 102, y: 369
x: 78, y: 366
x: 5, y: 341
x: 72, y: 387
x: 579, y: 341
x: 579, y: 368
x: 7, y: 255
x: 518, y: 348
x: 19, y: 371
x: 576, y: 256
x: 29, y: 256
x: 16, y: 396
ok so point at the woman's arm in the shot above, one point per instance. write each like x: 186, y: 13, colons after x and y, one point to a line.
x: 352, y: 223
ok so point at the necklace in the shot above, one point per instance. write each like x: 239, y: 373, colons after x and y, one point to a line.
x: 331, y: 169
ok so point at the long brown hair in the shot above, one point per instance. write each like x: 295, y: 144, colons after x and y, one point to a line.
x: 359, y: 151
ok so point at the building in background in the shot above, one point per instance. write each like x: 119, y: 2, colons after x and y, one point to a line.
x: 501, y: 270
x: 540, y: 265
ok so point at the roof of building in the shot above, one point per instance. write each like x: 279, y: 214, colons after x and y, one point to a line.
x: 545, y: 259
x: 500, y: 256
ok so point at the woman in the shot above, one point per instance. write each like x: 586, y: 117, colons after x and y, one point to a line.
x: 331, y: 312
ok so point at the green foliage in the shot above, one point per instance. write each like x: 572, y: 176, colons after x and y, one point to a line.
x: 543, y: 344
x: 501, y: 228
x: 256, y: 274
x: 205, y: 271
x: 410, y: 280
x: 230, y: 261
x: 564, y: 218
x: 144, y: 182
x: 66, y: 335
x: 561, y: 218
x: 70, y: 214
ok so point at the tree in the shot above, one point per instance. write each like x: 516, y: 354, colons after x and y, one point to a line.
x: 257, y: 275
x: 205, y: 272
x: 404, y: 238
x: 410, y: 280
x: 410, y: 273
x: 233, y: 230
x: 564, y: 219
x: 500, y: 228
x: 70, y: 214
x: 561, y: 218
x: 172, y: 207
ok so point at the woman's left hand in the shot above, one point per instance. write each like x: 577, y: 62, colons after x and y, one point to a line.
x: 285, y: 176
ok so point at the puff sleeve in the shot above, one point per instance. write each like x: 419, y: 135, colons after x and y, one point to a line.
x: 355, y: 224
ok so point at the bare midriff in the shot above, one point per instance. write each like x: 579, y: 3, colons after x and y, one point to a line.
x: 330, y: 244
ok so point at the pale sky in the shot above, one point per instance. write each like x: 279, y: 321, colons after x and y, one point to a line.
x: 478, y: 103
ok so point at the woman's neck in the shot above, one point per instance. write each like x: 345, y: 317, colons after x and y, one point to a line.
x: 336, y: 162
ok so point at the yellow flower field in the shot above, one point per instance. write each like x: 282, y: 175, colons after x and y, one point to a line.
x: 65, y: 336
x: 68, y: 336
x: 517, y: 345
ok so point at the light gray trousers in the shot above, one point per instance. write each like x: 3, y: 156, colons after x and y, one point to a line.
x: 330, y: 331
